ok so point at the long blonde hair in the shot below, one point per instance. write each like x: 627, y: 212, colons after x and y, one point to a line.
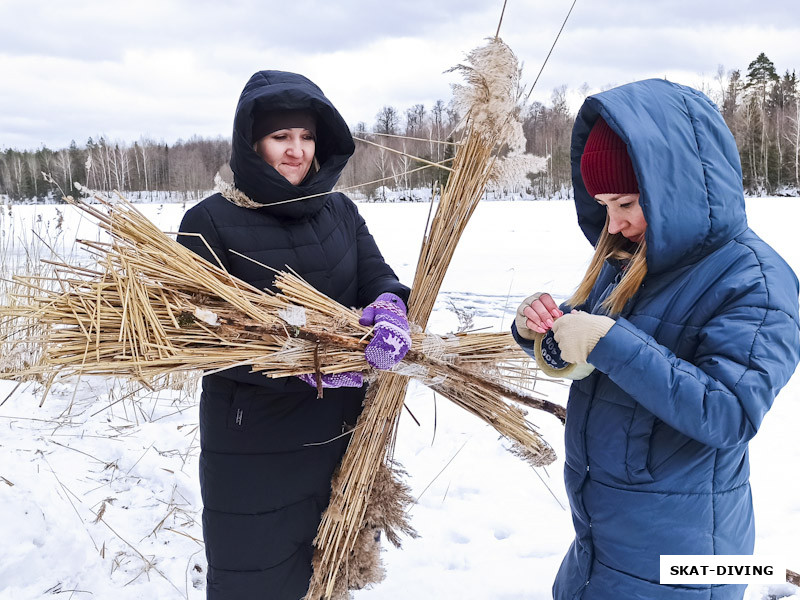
x: 614, y: 246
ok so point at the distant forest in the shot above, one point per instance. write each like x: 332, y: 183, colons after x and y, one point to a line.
x: 761, y: 107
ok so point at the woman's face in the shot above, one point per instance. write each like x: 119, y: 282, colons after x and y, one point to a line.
x: 289, y: 152
x: 625, y: 216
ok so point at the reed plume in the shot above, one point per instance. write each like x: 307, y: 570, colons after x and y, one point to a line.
x: 490, y: 99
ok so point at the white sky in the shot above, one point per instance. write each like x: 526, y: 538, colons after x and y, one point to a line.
x: 168, y: 69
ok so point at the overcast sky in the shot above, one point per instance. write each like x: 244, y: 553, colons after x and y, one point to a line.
x: 168, y: 69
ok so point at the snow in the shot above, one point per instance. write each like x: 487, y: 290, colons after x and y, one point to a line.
x: 491, y: 527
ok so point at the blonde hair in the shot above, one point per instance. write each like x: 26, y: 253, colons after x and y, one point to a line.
x: 613, y: 246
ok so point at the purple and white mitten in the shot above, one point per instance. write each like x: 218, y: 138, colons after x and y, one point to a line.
x: 335, y: 380
x: 390, y: 340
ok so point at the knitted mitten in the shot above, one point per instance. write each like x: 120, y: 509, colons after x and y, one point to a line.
x: 520, y: 319
x: 335, y: 380
x: 390, y: 340
x: 577, y: 333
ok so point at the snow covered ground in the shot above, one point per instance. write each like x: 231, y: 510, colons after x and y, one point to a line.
x: 491, y: 527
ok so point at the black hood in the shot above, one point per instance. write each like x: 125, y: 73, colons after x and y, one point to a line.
x: 279, y: 90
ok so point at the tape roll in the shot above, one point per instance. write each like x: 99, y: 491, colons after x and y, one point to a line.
x: 548, y: 359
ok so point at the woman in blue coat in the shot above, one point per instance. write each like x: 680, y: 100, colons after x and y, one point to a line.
x: 690, y: 323
x: 269, y: 446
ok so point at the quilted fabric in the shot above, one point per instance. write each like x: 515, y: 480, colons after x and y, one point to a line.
x: 656, y: 437
x: 269, y: 446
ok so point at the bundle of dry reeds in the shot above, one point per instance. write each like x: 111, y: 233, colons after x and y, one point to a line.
x: 150, y: 308
x: 491, y: 128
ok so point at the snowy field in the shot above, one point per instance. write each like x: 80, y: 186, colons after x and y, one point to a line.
x: 99, y: 497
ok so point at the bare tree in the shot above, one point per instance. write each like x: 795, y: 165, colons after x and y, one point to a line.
x: 143, y: 149
x: 387, y: 120
x: 437, y: 129
x: 415, y: 120
x: 33, y: 168
x: 793, y: 137
x: 383, y: 163
x: 64, y: 162
x: 16, y: 167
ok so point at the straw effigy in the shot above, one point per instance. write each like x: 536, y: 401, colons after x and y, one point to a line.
x: 491, y: 148
x: 149, y: 308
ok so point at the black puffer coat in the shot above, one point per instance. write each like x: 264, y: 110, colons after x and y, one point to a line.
x: 264, y: 486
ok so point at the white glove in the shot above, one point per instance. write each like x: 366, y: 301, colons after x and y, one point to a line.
x: 520, y: 319
x: 577, y: 333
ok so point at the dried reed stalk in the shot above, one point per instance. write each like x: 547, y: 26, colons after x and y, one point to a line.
x: 491, y: 102
x: 150, y: 308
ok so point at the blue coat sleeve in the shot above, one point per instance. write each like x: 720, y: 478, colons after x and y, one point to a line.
x: 746, y: 354
x: 526, y: 345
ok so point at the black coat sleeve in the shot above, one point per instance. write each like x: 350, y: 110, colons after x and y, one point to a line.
x: 199, y: 234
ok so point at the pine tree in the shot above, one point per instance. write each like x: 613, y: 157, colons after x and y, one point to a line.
x: 761, y: 78
x: 760, y: 74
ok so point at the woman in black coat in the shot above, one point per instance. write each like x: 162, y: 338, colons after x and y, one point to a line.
x: 266, y: 457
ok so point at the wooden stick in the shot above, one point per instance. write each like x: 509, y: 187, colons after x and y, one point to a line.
x: 793, y: 578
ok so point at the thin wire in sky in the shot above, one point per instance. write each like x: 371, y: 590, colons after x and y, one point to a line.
x: 551, y: 48
x: 502, y: 12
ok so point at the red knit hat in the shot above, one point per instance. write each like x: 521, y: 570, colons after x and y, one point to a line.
x: 605, y: 165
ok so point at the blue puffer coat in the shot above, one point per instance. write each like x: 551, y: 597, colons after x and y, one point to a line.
x: 269, y: 446
x: 656, y: 437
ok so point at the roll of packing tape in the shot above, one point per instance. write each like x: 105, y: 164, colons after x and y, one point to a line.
x: 548, y: 358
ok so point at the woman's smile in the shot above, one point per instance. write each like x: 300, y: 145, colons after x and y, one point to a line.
x: 289, y: 151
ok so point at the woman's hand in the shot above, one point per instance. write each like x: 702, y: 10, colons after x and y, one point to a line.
x: 536, y: 314
x: 336, y: 380
x: 578, y: 333
x: 391, y: 340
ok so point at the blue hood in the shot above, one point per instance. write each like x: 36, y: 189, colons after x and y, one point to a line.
x: 279, y: 90
x: 686, y: 163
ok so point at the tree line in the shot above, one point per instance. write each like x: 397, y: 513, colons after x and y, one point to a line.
x: 184, y: 170
x: 761, y: 107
